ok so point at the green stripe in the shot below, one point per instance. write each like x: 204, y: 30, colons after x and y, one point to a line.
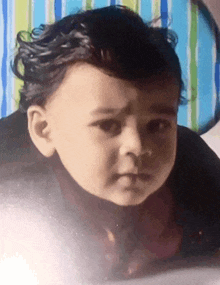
x: 30, y: 26
x: 193, y: 67
x: 89, y: 5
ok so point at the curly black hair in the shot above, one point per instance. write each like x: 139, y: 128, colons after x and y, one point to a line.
x: 113, y: 38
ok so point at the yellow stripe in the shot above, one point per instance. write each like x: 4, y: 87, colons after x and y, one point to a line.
x: 156, y: 8
x: 50, y: 11
x: 130, y: 4
x: 156, y: 12
x: 22, y: 23
x: 137, y: 6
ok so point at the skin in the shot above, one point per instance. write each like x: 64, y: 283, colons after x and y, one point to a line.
x: 106, y: 131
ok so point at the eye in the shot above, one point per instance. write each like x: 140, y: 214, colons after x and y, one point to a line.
x: 158, y: 126
x: 110, y: 126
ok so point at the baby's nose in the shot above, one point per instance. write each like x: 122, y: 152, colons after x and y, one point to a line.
x: 133, y: 142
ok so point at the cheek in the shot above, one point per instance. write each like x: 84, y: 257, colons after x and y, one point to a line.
x: 111, y: 157
x: 81, y: 152
x: 166, y: 152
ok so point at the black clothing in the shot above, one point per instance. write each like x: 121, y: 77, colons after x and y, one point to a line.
x: 76, y: 233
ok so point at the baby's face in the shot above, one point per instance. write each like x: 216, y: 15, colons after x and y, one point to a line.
x: 117, y: 141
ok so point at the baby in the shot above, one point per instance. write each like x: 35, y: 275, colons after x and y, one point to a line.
x: 99, y: 107
x: 102, y: 90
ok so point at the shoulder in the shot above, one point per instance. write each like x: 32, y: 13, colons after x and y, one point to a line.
x: 15, y: 142
x: 195, y: 178
x: 193, y: 154
x: 14, y: 127
x: 22, y: 168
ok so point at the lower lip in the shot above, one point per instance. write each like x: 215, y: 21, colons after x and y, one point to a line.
x: 126, y: 180
x: 131, y: 180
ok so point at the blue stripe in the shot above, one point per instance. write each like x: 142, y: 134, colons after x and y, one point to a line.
x: 217, y: 71
x: 58, y: 9
x: 217, y: 86
x: 39, y: 13
x: 164, y: 13
x: 73, y: 7
x: 113, y: 2
x: 146, y: 10
x: 180, y: 26
x: 11, y: 45
x: 205, y: 68
x: 4, y: 61
x: 101, y: 3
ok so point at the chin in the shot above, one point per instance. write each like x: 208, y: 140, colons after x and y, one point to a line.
x: 128, y: 201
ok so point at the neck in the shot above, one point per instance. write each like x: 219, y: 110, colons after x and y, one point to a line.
x: 159, y: 214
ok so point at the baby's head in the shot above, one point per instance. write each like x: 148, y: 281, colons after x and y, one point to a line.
x: 102, y: 89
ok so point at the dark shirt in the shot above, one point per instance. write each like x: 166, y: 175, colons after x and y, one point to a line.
x: 96, y: 236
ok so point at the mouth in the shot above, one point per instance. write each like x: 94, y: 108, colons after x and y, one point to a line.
x: 133, y: 176
x: 131, y: 179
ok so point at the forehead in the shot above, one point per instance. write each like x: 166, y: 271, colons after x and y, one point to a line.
x: 87, y: 88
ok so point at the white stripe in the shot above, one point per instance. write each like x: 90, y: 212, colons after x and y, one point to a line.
x: 46, y: 10
x: 170, y: 5
x: 83, y: 4
x: 64, y: 8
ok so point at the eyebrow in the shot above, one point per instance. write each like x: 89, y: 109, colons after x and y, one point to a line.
x: 163, y: 110
x: 110, y: 110
x: 159, y: 109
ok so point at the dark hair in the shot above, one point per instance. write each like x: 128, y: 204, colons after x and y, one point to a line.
x: 113, y: 38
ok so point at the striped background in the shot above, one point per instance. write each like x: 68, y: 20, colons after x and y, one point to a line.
x: 196, y: 48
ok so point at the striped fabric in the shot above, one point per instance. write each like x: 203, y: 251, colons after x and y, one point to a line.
x: 196, y: 48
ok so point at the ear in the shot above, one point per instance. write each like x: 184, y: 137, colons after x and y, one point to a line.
x: 39, y: 130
